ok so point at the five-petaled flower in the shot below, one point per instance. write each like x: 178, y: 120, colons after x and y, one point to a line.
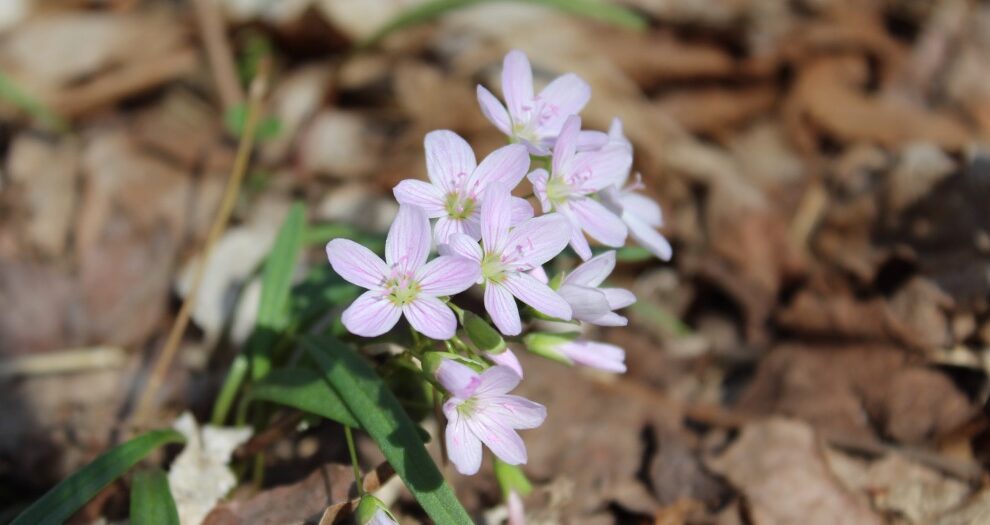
x: 535, y: 120
x: 640, y: 213
x: 592, y: 304
x: 507, y: 254
x: 481, y: 410
x: 457, y: 183
x: 403, y: 284
x: 576, y: 175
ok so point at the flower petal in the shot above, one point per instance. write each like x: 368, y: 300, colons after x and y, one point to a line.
x: 431, y: 317
x: 536, y: 241
x: 522, y: 210
x: 566, y: 146
x: 566, y: 95
x: 506, y: 166
x: 447, y: 275
x: 586, y: 303
x: 370, y: 315
x: 449, y: 159
x: 594, y: 271
x: 609, y: 319
x: 538, y: 178
x: 502, y: 308
x: 618, y: 297
x: 508, y: 359
x: 592, y: 171
x: 589, y: 140
x: 356, y: 264
x: 517, y: 83
x: 540, y: 275
x: 516, y: 411
x: 649, y: 238
x: 459, y: 379
x: 503, y: 441
x: 464, y: 246
x: 538, y: 295
x: 601, y: 224
x: 497, y: 381
x: 494, y: 111
x: 496, y: 217
x: 602, y: 356
x: 408, y: 242
x: 643, y: 208
x: 463, y: 447
x: 380, y: 517
x: 517, y: 513
x: 420, y: 193
x: 445, y: 227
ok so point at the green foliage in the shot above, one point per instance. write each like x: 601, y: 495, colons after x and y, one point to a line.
x: 151, y: 499
x: 59, y: 503
x: 235, y: 118
x: 16, y: 96
x: 303, y: 389
x: 381, y: 415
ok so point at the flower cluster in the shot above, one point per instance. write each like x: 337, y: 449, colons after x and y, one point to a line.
x: 485, y: 236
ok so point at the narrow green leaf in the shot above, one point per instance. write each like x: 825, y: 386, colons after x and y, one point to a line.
x: 428, y: 11
x: 30, y: 105
x: 276, y: 282
x: 381, y: 415
x: 151, y: 499
x: 305, y: 390
x: 68, y: 496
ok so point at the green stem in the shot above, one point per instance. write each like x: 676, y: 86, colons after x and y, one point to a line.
x: 354, y: 460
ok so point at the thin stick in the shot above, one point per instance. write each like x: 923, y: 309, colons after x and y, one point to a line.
x: 354, y: 460
x: 258, y: 87
x: 211, y: 28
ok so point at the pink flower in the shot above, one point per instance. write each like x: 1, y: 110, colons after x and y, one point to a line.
x: 576, y: 176
x: 641, y: 214
x: 403, y: 284
x: 535, y: 120
x: 457, y: 183
x: 381, y: 518
x: 517, y: 513
x: 506, y: 358
x: 569, y: 349
x: 507, y: 257
x: 592, y: 304
x: 480, y: 410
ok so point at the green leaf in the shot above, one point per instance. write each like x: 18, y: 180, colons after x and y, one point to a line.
x: 305, y: 390
x: 59, y: 503
x: 236, y: 117
x: 428, y: 11
x: 633, y: 254
x: 16, y: 96
x: 381, y: 415
x: 151, y: 499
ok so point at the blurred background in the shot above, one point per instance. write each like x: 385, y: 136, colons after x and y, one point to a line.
x: 815, y: 353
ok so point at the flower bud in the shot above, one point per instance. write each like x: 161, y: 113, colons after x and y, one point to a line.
x: 371, y: 511
x: 431, y: 361
x: 548, y: 345
x: 486, y: 338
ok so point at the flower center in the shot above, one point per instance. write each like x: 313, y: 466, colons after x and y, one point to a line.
x: 492, y: 268
x: 458, y: 207
x: 557, y: 190
x: 467, y: 407
x: 524, y: 131
x: 402, y: 289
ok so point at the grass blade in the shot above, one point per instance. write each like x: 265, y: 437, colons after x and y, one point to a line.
x: 381, y: 415
x: 303, y: 389
x: 428, y: 11
x: 151, y: 499
x: 59, y: 503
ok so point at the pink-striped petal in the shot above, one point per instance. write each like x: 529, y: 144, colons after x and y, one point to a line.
x: 566, y: 146
x: 370, y: 315
x: 446, y: 227
x: 517, y: 83
x: 408, y: 242
x: 536, y: 241
x: 420, y: 193
x: 463, y: 447
x: 506, y: 166
x: 431, y: 317
x: 538, y: 295
x: 601, y: 224
x: 497, y: 381
x: 643, y: 208
x: 494, y: 111
x: 356, y: 264
x: 459, y: 379
x: 502, y: 308
x: 496, y: 217
x: 515, y: 411
x: 618, y: 297
x: 609, y: 319
x: 508, y: 359
x: 594, y: 271
x: 447, y: 275
x: 566, y: 95
x: 589, y: 140
x: 464, y: 246
x: 503, y: 441
x: 587, y: 304
x: 538, y: 178
x: 522, y: 210
x: 649, y: 238
x: 602, y: 356
x: 449, y: 159
x: 540, y: 274
x: 591, y: 171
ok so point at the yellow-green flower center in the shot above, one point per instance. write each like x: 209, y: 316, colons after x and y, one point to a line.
x: 557, y: 191
x: 459, y: 207
x: 467, y: 407
x: 492, y: 268
x: 402, y: 289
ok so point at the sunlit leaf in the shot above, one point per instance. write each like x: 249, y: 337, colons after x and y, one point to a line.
x: 151, y: 499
